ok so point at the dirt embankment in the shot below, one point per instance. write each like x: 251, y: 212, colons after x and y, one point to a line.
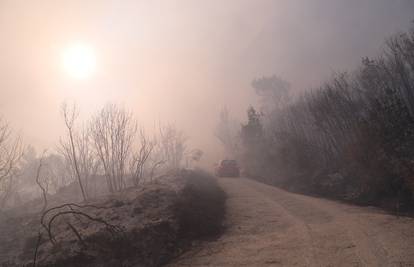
x: 145, y: 226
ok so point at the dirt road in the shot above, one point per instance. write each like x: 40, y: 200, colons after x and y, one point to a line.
x: 267, y: 226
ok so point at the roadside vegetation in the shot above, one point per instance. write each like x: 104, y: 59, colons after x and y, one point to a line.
x: 100, y: 155
x: 351, y: 139
x: 109, y: 194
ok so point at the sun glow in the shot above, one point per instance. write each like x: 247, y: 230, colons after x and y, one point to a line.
x: 79, y: 60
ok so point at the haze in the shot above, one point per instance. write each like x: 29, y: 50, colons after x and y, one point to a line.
x: 206, y: 133
x: 178, y: 61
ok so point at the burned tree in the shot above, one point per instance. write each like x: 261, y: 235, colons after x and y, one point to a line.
x: 172, y: 145
x: 69, y: 147
x: 112, y: 131
x: 43, y: 185
x: 87, y: 161
x: 140, y: 158
x: 11, y: 152
x: 227, y: 132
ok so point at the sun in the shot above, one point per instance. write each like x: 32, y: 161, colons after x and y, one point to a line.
x: 79, y: 60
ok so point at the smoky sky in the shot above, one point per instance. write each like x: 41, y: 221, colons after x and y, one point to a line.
x: 179, y: 61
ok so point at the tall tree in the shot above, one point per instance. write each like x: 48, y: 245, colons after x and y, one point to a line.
x: 11, y: 151
x: 113, y: 130
x: 69, y: 115
x: 227, y: 132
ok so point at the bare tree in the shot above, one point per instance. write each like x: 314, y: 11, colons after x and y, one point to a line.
x: 140, y: 158
x: 88, y: 161
x: 113, y: 130
x: 59, y: 170
x: 42, y: 183
x: 172, y: 145
x: 156, y: 160
x: 11, y: 151
x: 227, y: 132
x: 70, y: 115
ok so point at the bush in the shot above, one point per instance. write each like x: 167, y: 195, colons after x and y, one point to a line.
x: 201, y: 206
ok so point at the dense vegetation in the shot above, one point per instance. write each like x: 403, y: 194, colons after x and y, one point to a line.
x: 351, y: 139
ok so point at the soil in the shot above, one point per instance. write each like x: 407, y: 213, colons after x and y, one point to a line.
x: 267, y: 226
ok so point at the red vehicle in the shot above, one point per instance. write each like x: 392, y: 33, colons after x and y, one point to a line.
x: 228, y: 168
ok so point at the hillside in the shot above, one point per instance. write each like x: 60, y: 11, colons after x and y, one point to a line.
x: 145, y: 226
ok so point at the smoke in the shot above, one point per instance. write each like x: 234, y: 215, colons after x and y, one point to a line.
x: 179, y: 61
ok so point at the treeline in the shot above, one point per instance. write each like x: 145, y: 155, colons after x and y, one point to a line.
x: 114, y: 146
x: 104, y: 154
x: 352, y: 138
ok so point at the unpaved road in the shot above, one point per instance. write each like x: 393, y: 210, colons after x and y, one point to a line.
x: 267, y: 226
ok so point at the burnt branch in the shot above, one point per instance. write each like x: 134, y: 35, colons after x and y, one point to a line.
x: 110, y: 227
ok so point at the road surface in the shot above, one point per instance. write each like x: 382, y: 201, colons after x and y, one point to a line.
x: 266, y: 226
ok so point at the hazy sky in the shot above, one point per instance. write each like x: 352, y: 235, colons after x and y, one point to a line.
x: 178, y: 61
